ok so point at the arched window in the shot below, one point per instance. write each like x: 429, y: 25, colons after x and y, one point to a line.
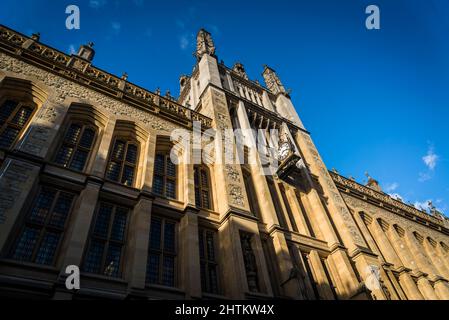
x: 165, y: 173
x: 76, y: 146
x: 123, y: 161
x: 14, y: 116
x: 202, y: 187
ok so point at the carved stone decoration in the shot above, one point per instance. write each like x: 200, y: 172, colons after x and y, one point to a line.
x: 68, y: 89
x: 232, y: 173
x: 236, y: 194
x: 240, y: 70
x: 204, y: 44
x: 272, y: 81
x: 249, y: 260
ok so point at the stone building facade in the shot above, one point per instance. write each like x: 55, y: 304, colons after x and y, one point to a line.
x: 86, y: 179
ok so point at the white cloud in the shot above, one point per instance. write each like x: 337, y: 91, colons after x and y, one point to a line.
x: 95, y: 4
x: 431, y: 158
x: 390, y: 187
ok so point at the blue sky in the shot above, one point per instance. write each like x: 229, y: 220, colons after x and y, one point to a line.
x: 374, y: 101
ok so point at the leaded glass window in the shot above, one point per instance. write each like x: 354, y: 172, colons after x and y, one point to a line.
x: 14, y: 116
x: 107, y: 241
x: 123, y: 162
x: 43, y: 230
x: 76, y: 146
x: 164, y: 183
x: 202, y: 187
x: 208, y: 262
x: 161, y: 262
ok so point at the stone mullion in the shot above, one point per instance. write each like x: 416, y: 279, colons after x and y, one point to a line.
x: 101, y: 159
x: 149, y: 163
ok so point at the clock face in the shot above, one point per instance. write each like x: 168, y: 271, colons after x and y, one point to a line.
x: 284, y: 151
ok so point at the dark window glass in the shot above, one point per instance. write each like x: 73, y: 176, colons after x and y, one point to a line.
x: 22, y: 116
x: 131, y: 155
x: 13, y: 118
x: 161, y: 264
x: 76, y: 147
x: 153, y: 268
x: 25, y: 244
x: 44, y: 226
x: 209, y: 274
x: 107, y: 241
x: 155, y: 233
x: 93, y: 259
x: 88, y: 138
x: 61, y: 209
x: 8, y: 136
x: 6, y: 110
x: 164, y: 182
x: 47, y: 248
x: 202, y: 187
x: 120, y: 168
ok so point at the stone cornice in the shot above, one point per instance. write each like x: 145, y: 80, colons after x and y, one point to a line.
x: 388, y: 203
x: 81, y: 71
